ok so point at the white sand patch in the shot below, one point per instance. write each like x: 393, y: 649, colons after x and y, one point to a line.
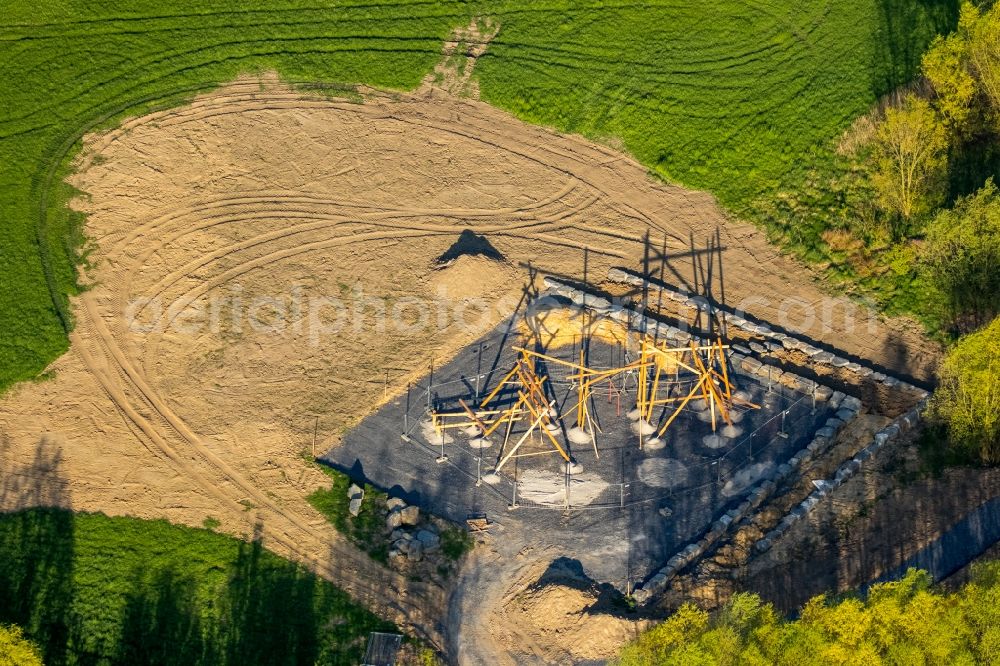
x: 549, y: 488
x: 433, y: 436
x: 663, y: 473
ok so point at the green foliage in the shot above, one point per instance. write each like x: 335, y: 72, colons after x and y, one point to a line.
x: 367, y: 529
x: 903, y: 622
x: 742, y: 99
x: 455, y: 542
x: 90, y: 589
x: 961, y: 259
x: 70, y: 66
x: 16, y: 650
x: 910, y: 160
x: 967, y: 401
x: 947, y: 68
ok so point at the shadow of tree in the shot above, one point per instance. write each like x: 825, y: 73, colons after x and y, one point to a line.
x: 90, y: 589
x: 36, y: 549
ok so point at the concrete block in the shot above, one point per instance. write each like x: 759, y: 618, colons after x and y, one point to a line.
x: 823, y: 393
x: 839, y: 362
x: 836, y: 399
x: 807, y: 386
x: 758, y: 347
x: 790, y: 343
x: 751, y: 365
x: 827, y: 432
x: 657, y: 582
x: 878, y: 376
x: 834, y: 423
x: 763, y: 545
x: 616, y: 275
x: 845, y: 414
x: 769, y: 372
x: 790, y: 519
x: 852, y: 403
x: 823, y: 357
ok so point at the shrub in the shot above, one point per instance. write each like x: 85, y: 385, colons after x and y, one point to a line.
x: 967, y: 402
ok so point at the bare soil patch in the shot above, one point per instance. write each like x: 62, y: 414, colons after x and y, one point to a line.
x: 258, y: 191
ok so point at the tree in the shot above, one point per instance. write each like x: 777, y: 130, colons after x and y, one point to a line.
x: 910, y: 159
x: 967, y: 401
x: 984, y: 53
x: 946, y: 66
x: 901, y: 622
x: 961, y: 258
x: 964, y: 71
x: 16, y: 650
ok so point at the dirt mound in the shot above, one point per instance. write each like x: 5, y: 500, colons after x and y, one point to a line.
x: 570, y: 621
x: 470, y: 277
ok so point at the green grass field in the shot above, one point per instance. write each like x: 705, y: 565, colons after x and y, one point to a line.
x: 89, y: 589
x: 741, y: 98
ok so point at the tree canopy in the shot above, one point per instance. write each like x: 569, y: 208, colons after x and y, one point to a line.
x: 15, y: 649
x: 961, y: 258
x: 910, y: 155
x: 967, y: 402
x: 904, y: 622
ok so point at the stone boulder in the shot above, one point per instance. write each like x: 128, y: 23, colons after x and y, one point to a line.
x: 409, y: 515
x: 430, y: 541
x: 394, y: 520
x: 354, y: 508
x: 395, y: 503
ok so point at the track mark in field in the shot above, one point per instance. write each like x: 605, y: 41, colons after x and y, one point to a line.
x: 260, y: 187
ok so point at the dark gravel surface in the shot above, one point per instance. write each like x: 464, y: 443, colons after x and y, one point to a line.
x: 630, y: 509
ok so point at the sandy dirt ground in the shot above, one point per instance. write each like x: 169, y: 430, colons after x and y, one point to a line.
x: 210, y: 349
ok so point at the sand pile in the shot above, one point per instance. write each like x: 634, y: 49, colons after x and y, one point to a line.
x: 470, y: 278
x: 566, y: 619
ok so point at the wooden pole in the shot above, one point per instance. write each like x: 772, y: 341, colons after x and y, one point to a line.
x: 315, y: 430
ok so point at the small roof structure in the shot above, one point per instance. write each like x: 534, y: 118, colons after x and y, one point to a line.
x: 382, y: 649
